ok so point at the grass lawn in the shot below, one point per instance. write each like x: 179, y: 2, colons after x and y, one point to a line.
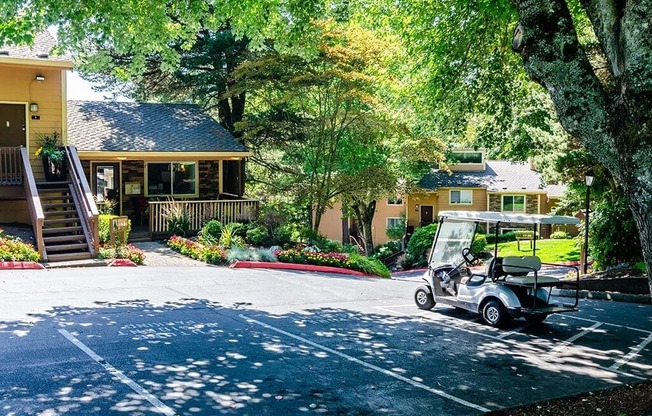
x: 549, y: 251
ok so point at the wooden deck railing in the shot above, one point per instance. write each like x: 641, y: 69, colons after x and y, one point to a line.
x: 11, y: 166
x: 199, y: 212
x: 33, y: 202
x: 83, y: 197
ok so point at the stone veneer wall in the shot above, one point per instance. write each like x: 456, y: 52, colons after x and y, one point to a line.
x: 531, y: 207
x: 209, y: 179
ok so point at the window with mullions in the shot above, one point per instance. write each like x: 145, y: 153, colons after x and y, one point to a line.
x: 172, y: 178
x: 513, y: 203
x: 461, y: 197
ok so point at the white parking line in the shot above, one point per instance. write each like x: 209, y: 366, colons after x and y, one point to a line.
x: 159, y: 405
x: 633, y: 353
x: 370, y: 366
x: 575, y: 337
x: 607, y: 323
x: 536, y: 358
x: 512, y: 332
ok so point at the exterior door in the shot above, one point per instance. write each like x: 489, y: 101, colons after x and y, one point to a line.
x: 13, y: 132
x: 426, y: 215
x: 106, y: 183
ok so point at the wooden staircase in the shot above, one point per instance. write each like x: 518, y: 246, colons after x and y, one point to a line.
x: 63, y: 232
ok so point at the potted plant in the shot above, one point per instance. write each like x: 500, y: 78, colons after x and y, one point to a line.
x: 51, y: 152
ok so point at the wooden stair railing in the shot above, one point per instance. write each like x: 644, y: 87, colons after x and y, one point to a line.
x: 33, y: 202
x: 83, y: 197
x: 11, y: 171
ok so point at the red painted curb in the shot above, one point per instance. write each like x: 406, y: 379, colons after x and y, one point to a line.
x: 295, y: 266
x: 122, y: 263
x: 21, y: 265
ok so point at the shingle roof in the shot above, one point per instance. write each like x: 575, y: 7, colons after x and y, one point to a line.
x: 499, y: 176
x: 146, y: 127
x: 41, y: 49
x: 555, y: 190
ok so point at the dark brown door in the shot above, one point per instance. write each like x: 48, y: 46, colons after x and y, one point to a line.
x: 426, y: 215
x: 12, y: 125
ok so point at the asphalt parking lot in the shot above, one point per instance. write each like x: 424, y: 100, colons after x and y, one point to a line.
x: 211, y: 341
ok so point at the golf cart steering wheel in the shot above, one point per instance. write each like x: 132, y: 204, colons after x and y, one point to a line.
x: 469, y: 257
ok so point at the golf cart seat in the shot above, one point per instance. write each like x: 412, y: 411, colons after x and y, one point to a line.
x: 492, y: 269
x: 518, y: 271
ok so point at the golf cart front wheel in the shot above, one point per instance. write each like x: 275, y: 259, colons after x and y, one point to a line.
x: 495, y: 314
x: 423, y: 298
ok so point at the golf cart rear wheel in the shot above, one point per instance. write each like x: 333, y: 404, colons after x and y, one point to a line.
x: 423, y: 298
x: 495, y: 314
x: 536, y: 319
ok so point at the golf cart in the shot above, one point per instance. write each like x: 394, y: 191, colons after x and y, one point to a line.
x: 509, y: 287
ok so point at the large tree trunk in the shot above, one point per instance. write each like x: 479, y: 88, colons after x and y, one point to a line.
x: 364, y: 214
x: 610, y: 114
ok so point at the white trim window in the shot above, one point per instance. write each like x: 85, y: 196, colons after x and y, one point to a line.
x: 179, y: 179
x: 395, y: 201
x: 461, y: 197
x: 467, y: 157
x: 513, y: 203
x: 395, y: 222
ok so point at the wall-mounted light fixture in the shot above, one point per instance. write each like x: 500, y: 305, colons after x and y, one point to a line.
x: 39, y: 78
x: 416, y: 207
x: 33, y: 107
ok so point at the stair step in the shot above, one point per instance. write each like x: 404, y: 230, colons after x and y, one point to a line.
x: 54, y: 197
x: 53, y: 213
x: 64, y: 238
x: 60, y: 205
x: 59, y: 230
x: 50, y: 190
x: 60, y: 220
x: 47, y: 184
x: 68, y: 256
x: 66, y: 247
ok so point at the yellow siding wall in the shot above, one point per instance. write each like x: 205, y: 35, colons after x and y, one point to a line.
x: 478, y: 202
x: 18, y: 85
x: 14, y: 211
x: 414, y: 214
x: 331, y: 223
x: 379, y: 224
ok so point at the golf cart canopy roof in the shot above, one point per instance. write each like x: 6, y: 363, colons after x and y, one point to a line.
x: 487, y: 216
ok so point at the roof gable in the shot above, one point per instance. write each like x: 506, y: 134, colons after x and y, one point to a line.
x: 146, y: 127
x: 499, y: 176
x: 44, y: 42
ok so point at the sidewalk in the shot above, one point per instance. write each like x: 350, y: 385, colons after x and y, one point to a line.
x: 159, y: 255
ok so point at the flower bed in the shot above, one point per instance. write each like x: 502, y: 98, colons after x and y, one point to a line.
x: 16, y: 250
x: 122, y: 252
x: 197, y: 251
x: 351, y: 261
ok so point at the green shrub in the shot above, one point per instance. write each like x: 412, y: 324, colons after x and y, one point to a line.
x: 367, y: 265
x: 229, y: 237
x: 14, y: 249
x: 248, y: 254
x: 330, y: 246
x: 384, y: 251
x: 559, y: 235
x: 502, y: 238
x: 281, y: 236
x: 421, y: 241
x: 197, y: 251
x: 104, y: 227
x: 479, y: 243
x: 210, y: 232
x: 258, y: 236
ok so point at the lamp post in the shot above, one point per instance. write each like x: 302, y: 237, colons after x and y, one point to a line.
x: 588, y: 179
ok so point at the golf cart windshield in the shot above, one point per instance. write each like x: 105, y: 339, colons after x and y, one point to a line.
x: 452, y: 238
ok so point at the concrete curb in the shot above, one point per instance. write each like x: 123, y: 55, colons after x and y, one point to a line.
x: 21, y: 265
x: 295, y: 266
x: 615, y: 296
